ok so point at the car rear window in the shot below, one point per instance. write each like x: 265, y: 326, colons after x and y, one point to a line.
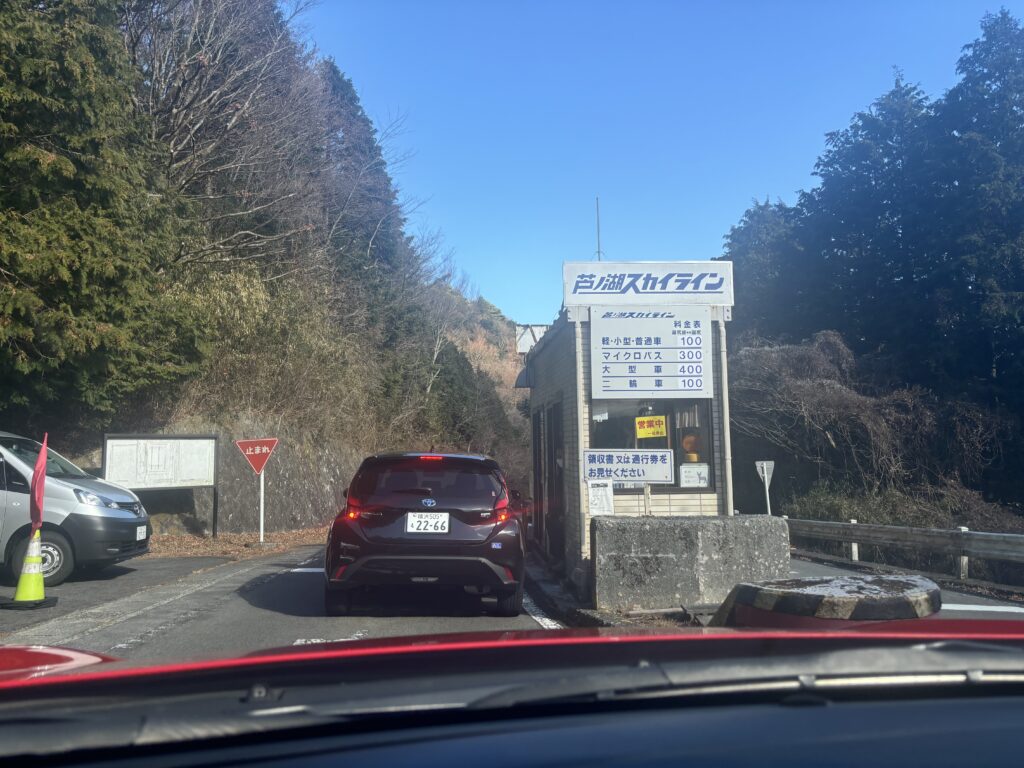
x: 449, y: 481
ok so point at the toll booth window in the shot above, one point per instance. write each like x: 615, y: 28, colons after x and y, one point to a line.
x: 682, y: 425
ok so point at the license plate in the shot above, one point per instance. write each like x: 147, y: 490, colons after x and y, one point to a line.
x: 426, y: 522
x: 140, y: 533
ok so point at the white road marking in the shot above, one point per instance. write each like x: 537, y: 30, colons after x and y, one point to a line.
x: 313, y: 640
x: 982, y: 608
x: 538, y: 615
x: 358, y: 635
x: 306, y: 570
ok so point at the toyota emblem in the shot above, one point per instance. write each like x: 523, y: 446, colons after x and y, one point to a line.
x: 429, y: 503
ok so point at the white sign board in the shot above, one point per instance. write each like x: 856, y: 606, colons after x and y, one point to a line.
x: 629, y: 466
x: 697, y: 475
x: 602, y: 497
x: 650, y: 283
x: 155, y: 462
x: 639, y: 353
x: 764, y: 471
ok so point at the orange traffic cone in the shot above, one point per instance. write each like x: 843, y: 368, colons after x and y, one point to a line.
x: 30, y: 593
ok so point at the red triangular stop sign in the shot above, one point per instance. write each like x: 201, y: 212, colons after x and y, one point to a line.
x: 257, y: 452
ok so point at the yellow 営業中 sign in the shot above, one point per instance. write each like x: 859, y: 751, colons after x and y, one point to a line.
x: 651, y: 426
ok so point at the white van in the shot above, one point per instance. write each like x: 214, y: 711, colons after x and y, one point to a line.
x: 87, y: 522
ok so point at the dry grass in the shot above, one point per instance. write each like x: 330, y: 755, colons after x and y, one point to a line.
x: 236, y: 546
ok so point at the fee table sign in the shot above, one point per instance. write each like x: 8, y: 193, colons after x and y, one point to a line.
x: 638, y: 352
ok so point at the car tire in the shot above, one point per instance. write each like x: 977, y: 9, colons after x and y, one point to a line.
x: 510, y: 603
x: 337, y: 603
x: 58, y: 558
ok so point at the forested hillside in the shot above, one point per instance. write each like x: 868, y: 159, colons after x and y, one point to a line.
x: 879, y: 347
x: 198, y: 231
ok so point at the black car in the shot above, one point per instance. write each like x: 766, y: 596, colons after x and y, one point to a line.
x: 413, y: 518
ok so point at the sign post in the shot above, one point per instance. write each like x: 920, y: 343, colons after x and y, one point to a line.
x: 765, y: 469
x: 257, y: 453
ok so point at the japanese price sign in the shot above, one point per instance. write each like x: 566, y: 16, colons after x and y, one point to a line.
x: 257, y: 452
x: 629, y: 466
x: 642, y: 353
x: 651, y: 283
x: 650, y: 426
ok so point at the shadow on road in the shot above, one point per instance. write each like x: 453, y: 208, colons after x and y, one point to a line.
x: 302, y: 594
x: 80, y: 575
x: 100, y: 574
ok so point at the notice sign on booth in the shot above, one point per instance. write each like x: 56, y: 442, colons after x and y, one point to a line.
x: 651, y: 426
x: 638, y: 352
x: 629, y: 466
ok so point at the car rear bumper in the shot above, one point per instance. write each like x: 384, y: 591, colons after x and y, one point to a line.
x: 425, y: 569
x: 99, y: 539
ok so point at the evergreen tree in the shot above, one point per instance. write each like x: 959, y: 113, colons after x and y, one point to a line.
x: 82, y: 217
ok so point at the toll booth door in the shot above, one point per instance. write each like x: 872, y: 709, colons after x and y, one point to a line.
x: 539, y: 505
x: 554, y: 473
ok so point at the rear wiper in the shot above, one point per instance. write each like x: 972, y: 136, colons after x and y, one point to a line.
x: 417, y: 491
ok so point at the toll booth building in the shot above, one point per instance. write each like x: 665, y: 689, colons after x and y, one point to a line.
x: 628, y: 402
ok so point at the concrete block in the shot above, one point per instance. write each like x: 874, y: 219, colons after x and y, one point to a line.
x: 665, y: 562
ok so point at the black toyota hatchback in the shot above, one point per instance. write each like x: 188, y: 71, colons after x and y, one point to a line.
x: 413, y: 518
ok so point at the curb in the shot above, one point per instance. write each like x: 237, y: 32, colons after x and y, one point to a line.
x: 556, y: 601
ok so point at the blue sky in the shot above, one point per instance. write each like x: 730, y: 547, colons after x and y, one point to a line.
x: 678, y: 114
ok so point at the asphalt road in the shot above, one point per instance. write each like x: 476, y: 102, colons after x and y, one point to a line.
x: 89, y: 589
x: 190, y: 608
x: 955, y: 604
x: 240, y: 607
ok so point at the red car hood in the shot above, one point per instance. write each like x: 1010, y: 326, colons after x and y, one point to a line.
x: 22, y: 666
x: 25, y: 662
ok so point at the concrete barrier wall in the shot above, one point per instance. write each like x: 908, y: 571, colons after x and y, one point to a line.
x: 666, y: 562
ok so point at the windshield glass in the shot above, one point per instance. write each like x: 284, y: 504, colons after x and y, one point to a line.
x: 406, y: 481
x: 380, y: 322
x: 28, y: 452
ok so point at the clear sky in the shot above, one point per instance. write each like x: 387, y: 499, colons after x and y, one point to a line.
x: 677, y: 114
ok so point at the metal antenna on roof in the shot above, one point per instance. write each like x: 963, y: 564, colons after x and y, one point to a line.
x: 597, y: 206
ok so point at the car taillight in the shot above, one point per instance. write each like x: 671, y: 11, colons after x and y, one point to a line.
x: 431, y: 458
x: 352, y: 510
x: 501, y: 507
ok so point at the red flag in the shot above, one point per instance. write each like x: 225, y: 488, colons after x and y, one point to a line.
x: 35, y: 503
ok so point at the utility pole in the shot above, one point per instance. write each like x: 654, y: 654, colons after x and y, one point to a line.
x: 597, y: 206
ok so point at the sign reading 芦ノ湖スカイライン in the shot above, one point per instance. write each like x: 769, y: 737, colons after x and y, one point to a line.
x: 650, y: 283
x: 629, y: 466
x: 642, y: 353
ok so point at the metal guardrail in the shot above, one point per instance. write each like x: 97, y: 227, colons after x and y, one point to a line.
x: 960, y: 542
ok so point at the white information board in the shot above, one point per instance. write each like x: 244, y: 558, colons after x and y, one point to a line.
x: 149, y: 462
x: 660, y: 283
x: 602, y: 497
x: 629, y: 466
x: 640, y: 353
x: 694, y: 475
